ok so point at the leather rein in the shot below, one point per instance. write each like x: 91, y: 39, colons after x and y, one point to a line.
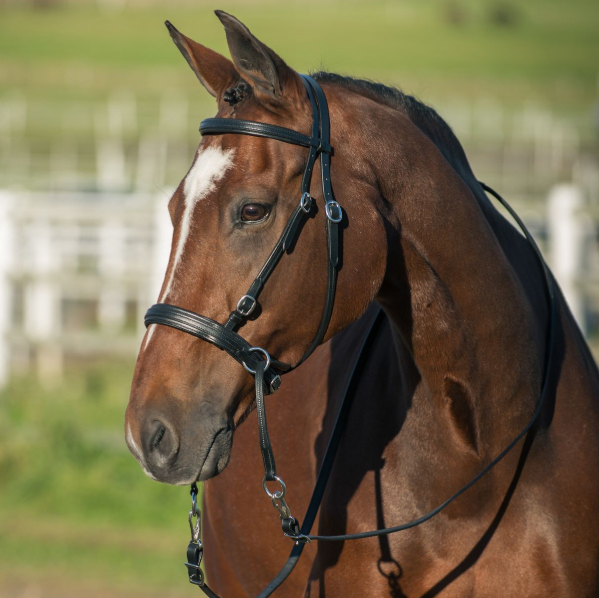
x: 267, y: 371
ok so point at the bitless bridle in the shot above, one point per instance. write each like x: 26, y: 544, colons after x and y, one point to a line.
x: 267, y: 371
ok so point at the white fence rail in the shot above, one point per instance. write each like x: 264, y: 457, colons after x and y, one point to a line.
x: 78, y: 270
x: 125, y: 142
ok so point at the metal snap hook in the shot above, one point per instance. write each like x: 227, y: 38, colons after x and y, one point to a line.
x: 196, y: 530
x: 266, y: 357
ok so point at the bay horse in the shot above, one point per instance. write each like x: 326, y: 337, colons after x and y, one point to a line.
x: 453, y: 374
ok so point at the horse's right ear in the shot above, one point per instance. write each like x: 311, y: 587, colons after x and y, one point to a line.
x: 215, y: 72
x: 261, y: 67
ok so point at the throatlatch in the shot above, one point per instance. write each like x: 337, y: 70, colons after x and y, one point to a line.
x: 267, y: 371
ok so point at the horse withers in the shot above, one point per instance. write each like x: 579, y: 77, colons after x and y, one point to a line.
x: 451, y: 378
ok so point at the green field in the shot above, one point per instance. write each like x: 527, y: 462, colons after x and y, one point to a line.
x: 77, y: 515
x: 75, y: 508
x: 547, y: 49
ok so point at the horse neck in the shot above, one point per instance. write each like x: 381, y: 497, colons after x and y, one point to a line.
x: 462, y: 316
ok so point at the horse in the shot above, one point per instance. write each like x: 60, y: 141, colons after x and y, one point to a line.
x: 453, y: 371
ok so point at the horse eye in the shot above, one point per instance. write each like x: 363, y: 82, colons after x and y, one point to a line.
x: 254, y: 212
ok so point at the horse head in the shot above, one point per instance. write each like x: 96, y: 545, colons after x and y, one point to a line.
x: 228, y: 213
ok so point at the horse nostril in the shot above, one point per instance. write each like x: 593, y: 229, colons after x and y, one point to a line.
x: 158, y: 436
x: 162, y: 443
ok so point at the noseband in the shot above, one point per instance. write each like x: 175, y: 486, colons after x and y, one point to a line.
x: 267, y: 371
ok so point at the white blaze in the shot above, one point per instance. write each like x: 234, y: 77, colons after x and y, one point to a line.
x: 209, y: 167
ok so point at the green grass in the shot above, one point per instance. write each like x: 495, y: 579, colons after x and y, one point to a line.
x: 73, y: 500
x: 549, y: 52
x: 65, y: 63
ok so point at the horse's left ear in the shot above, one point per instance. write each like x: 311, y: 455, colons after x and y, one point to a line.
x: 264, y: 70
x: 215, y: 72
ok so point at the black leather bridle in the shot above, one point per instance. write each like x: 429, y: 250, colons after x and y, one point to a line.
x: 267, y: 371
x: 224, y: 336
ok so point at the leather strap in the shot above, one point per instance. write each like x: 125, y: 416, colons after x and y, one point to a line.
x: 313, y: 153
x: 329, y: 456
x: 285, y: 241
x: 332, y: 448
x: 332, y: 229
x: 221, y: 126
x: 213, y: 332
x: 268, y: 458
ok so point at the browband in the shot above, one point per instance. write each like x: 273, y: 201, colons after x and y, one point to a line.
x: 219, y: 126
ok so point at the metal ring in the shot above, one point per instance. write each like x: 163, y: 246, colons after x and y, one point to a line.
x: 327, y: 208
x: 272, y: 495
x: 306, y: 202
x: 250, y: 310
x: 266, y: 356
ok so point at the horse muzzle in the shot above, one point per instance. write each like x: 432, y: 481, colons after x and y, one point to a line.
x: 180, y: 455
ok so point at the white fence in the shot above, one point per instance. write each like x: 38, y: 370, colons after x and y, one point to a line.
x: 126, y: 142
x: 78, y: 270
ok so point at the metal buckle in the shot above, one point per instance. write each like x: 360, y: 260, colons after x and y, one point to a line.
x: 266, y: 356
x: 240, y: 307
x: 306, y: 202
x: 275, y: 383
x: 329, y: 207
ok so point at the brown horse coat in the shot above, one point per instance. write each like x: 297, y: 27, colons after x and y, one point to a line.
x: 452, y: 378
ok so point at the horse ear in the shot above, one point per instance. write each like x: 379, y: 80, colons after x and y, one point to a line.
x: 215, y: 72
x: 264, y: 70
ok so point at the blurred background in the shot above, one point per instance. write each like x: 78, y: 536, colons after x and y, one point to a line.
x: 99, y: 120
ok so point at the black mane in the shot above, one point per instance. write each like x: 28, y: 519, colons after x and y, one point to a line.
x: 423, y: 116
x: 391, y: 96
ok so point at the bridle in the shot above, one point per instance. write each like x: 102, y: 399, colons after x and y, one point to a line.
x: 224, y: 336
x: 267, y: 371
